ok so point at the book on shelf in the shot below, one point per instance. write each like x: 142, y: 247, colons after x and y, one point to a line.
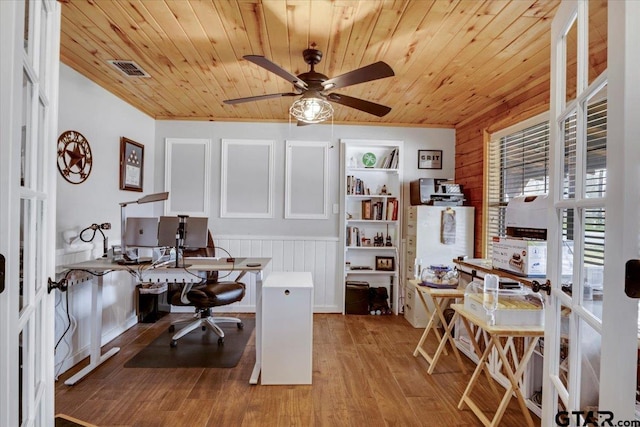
x: 366, y: 209
x: 391, y: 161
x: 392, y: 210
x: 378, y: 208
x: 355, y: 186
x: 353, y: 236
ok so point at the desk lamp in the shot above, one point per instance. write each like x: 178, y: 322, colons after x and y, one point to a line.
x: 97, y: 227
x: 157, y: 197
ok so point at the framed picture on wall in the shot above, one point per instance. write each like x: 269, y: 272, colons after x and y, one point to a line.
x: 131, y: 164
x: 429, y: 159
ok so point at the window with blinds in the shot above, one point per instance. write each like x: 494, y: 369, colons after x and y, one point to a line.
x: 518, y: 164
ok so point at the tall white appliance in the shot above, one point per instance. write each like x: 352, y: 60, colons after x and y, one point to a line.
x: 434, y: 235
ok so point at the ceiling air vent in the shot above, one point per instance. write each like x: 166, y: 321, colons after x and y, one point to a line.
x: 129, y: 68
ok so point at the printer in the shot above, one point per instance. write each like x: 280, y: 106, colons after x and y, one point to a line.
x: 436, y: 192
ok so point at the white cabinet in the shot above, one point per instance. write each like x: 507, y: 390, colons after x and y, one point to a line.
x: 371, y: 210
x: 414, y: 310
x: 287, y: 328
x: 437, y: 235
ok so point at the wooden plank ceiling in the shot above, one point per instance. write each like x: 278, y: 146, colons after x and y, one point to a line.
x: 453, y: 59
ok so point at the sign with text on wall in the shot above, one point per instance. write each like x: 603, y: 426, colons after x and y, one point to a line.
x: 429, y: 159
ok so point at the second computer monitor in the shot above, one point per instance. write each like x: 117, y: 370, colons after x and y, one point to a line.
x: 195, y: 236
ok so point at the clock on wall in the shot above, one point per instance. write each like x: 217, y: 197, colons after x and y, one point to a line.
x: 74, y: 157
x: 369, y: 160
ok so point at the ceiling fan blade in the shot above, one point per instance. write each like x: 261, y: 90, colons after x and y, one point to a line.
x: 258, y: 98
x: 276, y: 69
x: 378, y: 70
x: 359, y: 104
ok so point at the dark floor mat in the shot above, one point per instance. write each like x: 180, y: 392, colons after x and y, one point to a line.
x: 197, y: 349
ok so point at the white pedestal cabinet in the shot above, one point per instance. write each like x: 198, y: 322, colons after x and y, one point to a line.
x: 287, y: 328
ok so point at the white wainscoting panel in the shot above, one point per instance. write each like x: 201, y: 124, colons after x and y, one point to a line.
x: 317, y: 255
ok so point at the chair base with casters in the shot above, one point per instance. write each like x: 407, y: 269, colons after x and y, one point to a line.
x: 204, y: 297
x: 205, y: 320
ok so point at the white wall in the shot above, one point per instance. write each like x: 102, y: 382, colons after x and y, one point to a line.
x: 414, y: 139
x: 102, y: 118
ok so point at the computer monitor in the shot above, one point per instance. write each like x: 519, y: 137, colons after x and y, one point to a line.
x: 141, y: 232
x: 195, y: 236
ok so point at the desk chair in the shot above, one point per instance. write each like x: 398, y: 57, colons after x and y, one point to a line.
x: 204, y: 297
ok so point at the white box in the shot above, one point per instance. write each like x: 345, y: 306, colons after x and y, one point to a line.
x: 287, y: 328
x: 520, y: 256
x: 527, y: 212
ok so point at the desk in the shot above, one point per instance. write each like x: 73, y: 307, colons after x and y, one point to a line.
x: 496, y: 332
x: 439, y: 298
x: 98, y: 268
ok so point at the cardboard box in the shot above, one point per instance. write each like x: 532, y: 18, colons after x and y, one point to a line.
x: 523, y: 257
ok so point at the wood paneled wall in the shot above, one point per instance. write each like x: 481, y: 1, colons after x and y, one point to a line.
x: 470, y: 146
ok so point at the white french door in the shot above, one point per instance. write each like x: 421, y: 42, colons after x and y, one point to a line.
x: 29, y: 43
x: 591, y: 338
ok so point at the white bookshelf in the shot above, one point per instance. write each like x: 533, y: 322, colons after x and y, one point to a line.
x: 377, y: 184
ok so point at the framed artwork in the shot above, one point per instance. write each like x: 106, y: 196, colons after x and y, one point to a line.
x: 131, y: 164
x: 187, y: 176
x: 385, y: 263
x: 429, y: 159
x: 307, y: 180
x: 241, y: 197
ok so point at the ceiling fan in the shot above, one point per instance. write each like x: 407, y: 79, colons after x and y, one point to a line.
x: 313, y: 107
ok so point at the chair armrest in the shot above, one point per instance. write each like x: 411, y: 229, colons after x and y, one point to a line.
x: 183, y: 295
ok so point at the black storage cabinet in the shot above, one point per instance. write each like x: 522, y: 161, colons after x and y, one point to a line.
x: 356, y: 298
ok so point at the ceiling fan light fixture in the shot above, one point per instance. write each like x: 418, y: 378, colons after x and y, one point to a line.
x: 311, y: 109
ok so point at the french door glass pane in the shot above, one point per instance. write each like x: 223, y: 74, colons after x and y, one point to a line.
x: 569, y: 155
x: 39, y: 278
x: 27, y: 27
x: 25, y: 143
x: 589, y: 378
x: 598, y: 36
x: 44, y: 31
x: 22, y: 353
x: 563, y: 373
x: 41, y: 169
x: 571, y: 46
x: 594, y: 220
x: 38, y: 347
x: 595, y: 183
x: 24, y: 267
x: 568, y: 218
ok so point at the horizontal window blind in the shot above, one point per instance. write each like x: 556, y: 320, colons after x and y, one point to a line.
x: 518, y: 164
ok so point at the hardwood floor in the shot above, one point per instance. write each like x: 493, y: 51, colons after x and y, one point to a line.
x: 364, y: 374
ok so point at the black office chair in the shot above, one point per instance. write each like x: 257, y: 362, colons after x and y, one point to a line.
x: 204, y: 297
